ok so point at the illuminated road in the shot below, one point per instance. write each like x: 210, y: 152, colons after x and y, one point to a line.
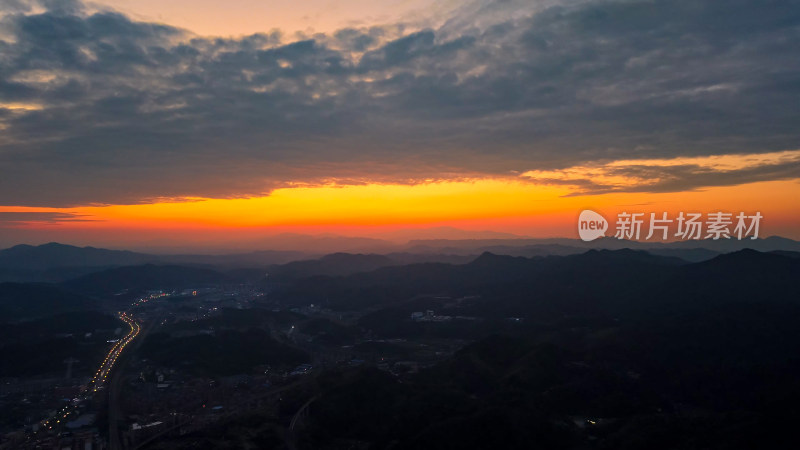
x: 114, y: 387
x: 101, y: 376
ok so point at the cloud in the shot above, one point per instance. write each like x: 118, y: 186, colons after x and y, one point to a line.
x: 126, y: 111
x: 671, y: 175
x: 20, y: 218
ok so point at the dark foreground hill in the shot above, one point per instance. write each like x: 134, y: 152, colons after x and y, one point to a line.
x: 233, y: 342
x: 618, y: 350
x: 148, y: 276
x: 601, y: 350
x: 21, y: 301
x: 39, y: 346
x: 604, y: 282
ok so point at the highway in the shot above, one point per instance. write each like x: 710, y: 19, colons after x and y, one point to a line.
x: 101, y: 376
x: 114, y: 388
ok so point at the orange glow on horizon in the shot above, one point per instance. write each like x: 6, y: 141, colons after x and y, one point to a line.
x: 498, y: 204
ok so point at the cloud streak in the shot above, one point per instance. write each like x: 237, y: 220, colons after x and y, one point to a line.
x: 671, y: 175
x: 27, y: 218
x: 98, y: 108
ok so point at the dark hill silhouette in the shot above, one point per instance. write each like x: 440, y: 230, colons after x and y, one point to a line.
x: 20, y: 301
x: 148, y: 276
x: 601, y: 282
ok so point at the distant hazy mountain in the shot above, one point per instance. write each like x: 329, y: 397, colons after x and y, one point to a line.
x: 47, y: 256
x: 445, y: 232
x: 787, y: 253
x: 55, y: 262
x: 333, y: 264
x: 692, y: 250
x: 260, y: 258
x: 58, y: 262
x: 323, y: 244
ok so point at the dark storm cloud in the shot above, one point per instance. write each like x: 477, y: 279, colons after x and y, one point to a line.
x: 95, y: 107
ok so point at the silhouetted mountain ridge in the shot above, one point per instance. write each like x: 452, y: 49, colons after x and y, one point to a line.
x: 54, y: 254
x: 334, y: 264
x: 597, y: 282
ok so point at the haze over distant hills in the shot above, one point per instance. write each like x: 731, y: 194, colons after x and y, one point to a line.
x: 54, y: 262
x: 53, y: 254
x: 339, y: 279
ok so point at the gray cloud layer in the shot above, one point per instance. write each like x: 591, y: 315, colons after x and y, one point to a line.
x: 95, y: 107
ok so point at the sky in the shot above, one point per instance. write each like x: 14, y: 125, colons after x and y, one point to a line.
x: 140, y: 123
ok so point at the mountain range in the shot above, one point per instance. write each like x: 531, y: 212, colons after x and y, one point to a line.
x: 55, y: 262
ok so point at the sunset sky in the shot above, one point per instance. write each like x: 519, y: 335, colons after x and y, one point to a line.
x: 143, y: 123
